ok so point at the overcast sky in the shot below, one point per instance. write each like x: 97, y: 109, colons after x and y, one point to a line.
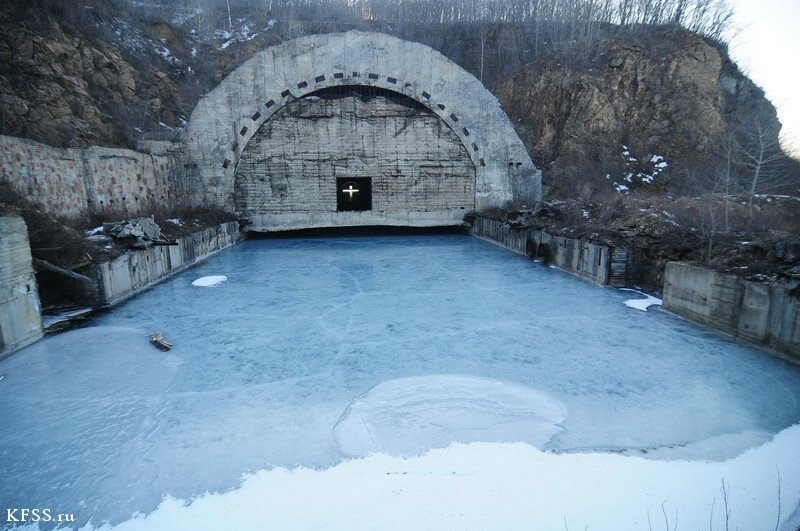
x: 767, y: 47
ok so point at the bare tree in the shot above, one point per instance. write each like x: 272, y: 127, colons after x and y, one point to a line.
x: 761, y: 160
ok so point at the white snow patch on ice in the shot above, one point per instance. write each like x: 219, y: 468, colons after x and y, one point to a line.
x: 491, y: 485
x: 641, y: 304
x: 408, y: 416
x: 210, y: 281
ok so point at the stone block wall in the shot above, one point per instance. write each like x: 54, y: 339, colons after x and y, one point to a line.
x: 20, y: 318
x: 597, y: 263
x: 95, y: 182
x: 137, y: 270
x: 765, y: 314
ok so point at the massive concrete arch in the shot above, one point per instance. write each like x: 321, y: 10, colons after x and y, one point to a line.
x: 225, y: 119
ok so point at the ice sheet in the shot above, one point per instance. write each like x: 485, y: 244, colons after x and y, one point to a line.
x: 209, y: 281
x: 99, y: 422
x: 409, y: 416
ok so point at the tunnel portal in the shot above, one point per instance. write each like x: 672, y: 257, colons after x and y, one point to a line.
x: 354, y: 129
x: 354, y: 155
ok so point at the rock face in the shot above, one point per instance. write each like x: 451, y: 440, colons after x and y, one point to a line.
x: 60, y: 87
x: 669, y: 93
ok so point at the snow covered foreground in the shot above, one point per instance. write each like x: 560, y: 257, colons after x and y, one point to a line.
x: 502, y: 486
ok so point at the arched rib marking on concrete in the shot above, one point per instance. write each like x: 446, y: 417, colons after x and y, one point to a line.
x: 225, y: 119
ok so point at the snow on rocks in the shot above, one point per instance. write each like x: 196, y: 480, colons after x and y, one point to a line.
x: 210, y: 281
x: 621, y: 188
x: 94, y: 232
x: 641, y: 304
x: 408, y: 416
x: 638, y: 173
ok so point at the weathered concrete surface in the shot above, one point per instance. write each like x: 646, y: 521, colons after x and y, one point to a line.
x: 226, y: 119
x: 20, y: 317
x: 420, y: 172
x: 596, y: 263
x: 765, y: 314
x: 138, y: 270
x: 99, y: 182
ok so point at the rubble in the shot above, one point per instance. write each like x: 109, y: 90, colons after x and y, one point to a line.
x: 144, y: 232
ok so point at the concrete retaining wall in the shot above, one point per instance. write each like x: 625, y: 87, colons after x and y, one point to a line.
x: 138, y: 270
x: 765, y: 314
x: 99, y: 182
x: 20, y: 317
x: 601, y: 264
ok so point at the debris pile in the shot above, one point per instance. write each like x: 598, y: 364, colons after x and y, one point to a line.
x: 139, y: 233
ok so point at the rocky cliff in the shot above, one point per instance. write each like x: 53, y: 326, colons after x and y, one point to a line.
x: 62, y: 84
x: 631, y: 102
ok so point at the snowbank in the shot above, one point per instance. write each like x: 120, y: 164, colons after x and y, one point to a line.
x: 408, y: 416
x: 505, y: 486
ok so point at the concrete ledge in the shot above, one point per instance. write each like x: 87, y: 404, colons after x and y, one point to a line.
x: 312, y: 220
x: 20, y: 316
x: 136, y: 271
x: 596, y: 263
x: 763, y: 314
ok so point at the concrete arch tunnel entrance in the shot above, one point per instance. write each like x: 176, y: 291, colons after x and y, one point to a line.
x: 355, y: 129
x: 354, y: 155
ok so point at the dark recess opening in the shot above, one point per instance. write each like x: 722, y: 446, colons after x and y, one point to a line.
x: 366, y: 94
x: 353, y: 194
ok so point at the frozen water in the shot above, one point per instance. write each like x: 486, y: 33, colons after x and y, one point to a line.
x: 641, y: 304
x: 210, y: 281
x: 99, y: 422
x: 408, y: 416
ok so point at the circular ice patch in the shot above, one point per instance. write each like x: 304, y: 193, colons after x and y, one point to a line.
x: 210, y: 282
x: 411, y: 415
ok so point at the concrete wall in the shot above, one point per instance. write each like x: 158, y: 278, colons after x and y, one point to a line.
x: 765, y: 314
x: 20, y: 317
x: 225, y: 120
x: 415, y: 163
x: 601, y: 264
x: 137, y: 270
x: 102, y: 182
